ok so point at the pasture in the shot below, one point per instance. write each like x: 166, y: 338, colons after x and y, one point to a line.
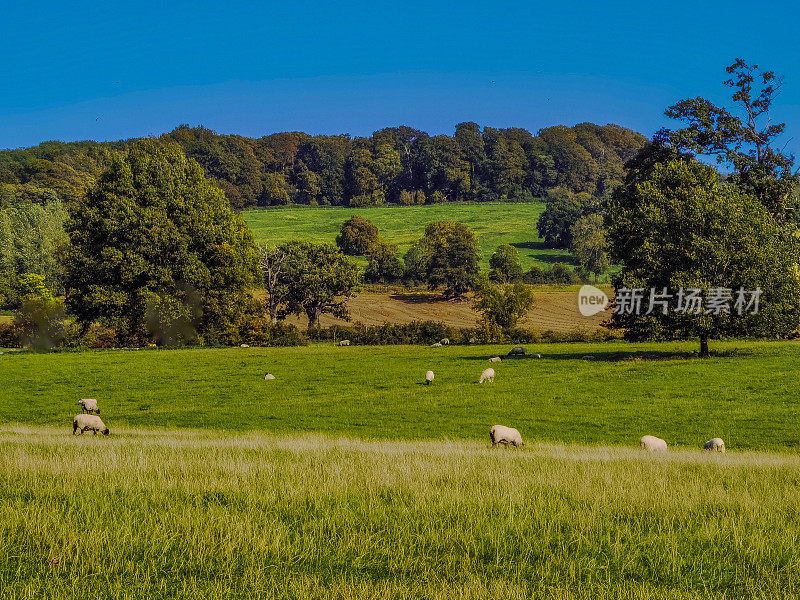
x: 196, y: 514
x: 494, y: 223
x: 748, y: 395
x: 346, y: 477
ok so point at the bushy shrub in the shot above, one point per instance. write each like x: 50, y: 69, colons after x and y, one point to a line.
x: 260, y: 331
x: 416, y: 332
x: 10, y: 335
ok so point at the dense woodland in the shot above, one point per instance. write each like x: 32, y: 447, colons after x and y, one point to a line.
x: 399, y: 165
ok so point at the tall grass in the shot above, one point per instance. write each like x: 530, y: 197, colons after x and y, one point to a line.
x: 187, y: 514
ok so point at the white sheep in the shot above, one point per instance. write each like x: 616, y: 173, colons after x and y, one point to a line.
x: 487, y: 375
x: 715, y: 445
x: 344, y: 343
x: 652, y: 444
x: 436, y: 345
x: 88, y: 423
x: 428, y: 377
x: 89, y: 405
x: 495, y: 359
x: 500, y: 434
x: 269, y: 376
x: 244, y: 345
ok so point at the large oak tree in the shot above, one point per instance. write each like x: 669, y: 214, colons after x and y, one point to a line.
x: 156, y: 251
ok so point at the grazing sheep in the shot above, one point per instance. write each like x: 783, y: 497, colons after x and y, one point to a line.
x: 88, y: 423
x: 536, y: 356
x: 269, y: 376
x: 495, y: 359
x: 445, y: 341
x: 436, y: 345
x: 500, y: 434
x: 652, y: 444
x: 428, y: 377
x: 244, y: 346
x: 89, y: 405
x: 715, y: 445
x: 518, y: 351
x: 487, y: 375
x: 344, y: 343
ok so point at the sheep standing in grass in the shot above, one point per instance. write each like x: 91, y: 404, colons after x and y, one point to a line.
x: 269, y: 376
x: 487, y: 375
x: 715, y: 445
x: 436, y: 345
x: 518, y: 351
x: 494, y: 359
x: 500, y: 434
x: 652, y: 444
x: 429, y: 378
x: 88, y: 423
x: 89, y: 406
x: 344, y: 343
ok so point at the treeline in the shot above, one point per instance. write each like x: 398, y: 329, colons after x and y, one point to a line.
x: 398, y: 165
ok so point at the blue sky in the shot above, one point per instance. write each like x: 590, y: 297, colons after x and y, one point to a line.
x: 116, y: 70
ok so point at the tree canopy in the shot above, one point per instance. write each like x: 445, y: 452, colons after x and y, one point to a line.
x: 399, y: 165
x: 683, y: 237
x: 156, y: 250
x: 449, y: 254
x: 742, y: 137
x: 319, y: 279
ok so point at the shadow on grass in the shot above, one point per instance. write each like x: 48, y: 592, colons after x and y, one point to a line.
x: 617, y: 356
x: 427, y: 298
x: 551, y: 257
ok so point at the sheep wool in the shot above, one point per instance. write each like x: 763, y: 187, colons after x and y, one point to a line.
x: 715, y: 445
x: 487, y: 375
x: 89, y: 405
x: 88, y: 423
x: 652, y: 444
x: 429, y: 377
x: 500, y: 434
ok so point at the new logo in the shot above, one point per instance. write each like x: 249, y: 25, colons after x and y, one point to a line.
x: 591, y: 300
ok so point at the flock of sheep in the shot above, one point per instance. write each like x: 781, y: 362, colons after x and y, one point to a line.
x: 508, y: 436
x: 89, y: 419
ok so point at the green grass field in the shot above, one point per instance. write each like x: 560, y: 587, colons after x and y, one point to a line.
x: 493, y: 224
x: 749, y: 398
x: 347, y: 478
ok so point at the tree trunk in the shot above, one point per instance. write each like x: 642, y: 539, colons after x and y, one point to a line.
x: 313, y: 314
x: 703, y: 345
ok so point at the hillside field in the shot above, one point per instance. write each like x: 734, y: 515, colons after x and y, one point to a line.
x: 493, y: 223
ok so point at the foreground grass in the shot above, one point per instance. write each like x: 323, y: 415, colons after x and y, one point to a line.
x: 183, y: 514
x: 494, y: 223
x: 750, y: 398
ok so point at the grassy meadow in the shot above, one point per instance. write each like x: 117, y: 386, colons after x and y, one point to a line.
x: 346, y: 477
x: 748, y: 395
x: 191, y: 514
x: 494, y: 223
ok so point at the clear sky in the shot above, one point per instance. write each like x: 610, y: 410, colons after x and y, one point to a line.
x: 114, y: 70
